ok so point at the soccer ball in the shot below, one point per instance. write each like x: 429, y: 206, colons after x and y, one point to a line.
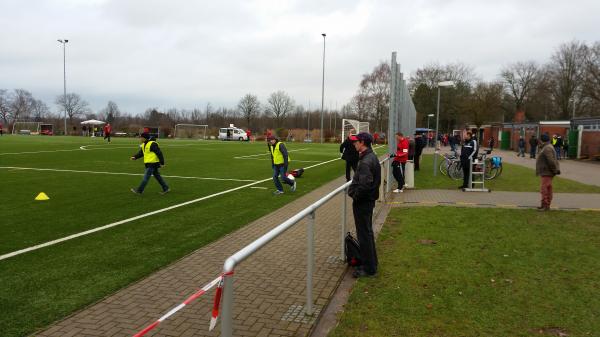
x: 291, y: 177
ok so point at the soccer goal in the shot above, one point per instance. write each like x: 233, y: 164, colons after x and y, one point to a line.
x: 354, y: 127
x: 190, y: 131
x: 26, y: 128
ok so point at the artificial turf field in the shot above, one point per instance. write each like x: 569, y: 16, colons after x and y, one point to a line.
x: 88, y: 183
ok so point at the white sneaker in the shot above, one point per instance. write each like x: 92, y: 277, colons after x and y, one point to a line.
x: 398, y: 191
x: 294, y: 187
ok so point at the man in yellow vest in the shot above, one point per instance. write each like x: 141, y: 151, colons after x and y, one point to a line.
x: 153, y: 160
x: 279, y: 162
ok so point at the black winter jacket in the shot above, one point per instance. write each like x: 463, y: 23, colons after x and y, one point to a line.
x: 348, y: 151
x: 366, y: 180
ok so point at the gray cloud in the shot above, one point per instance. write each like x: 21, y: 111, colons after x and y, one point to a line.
x: 187, y: 53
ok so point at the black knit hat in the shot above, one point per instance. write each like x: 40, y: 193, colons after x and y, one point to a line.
x: 145, y: 135
x: 545, y: 138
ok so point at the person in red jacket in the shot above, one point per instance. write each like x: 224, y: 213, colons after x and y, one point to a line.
x: 248, y: 135
x: 107, y: 131
x: 399, y: 163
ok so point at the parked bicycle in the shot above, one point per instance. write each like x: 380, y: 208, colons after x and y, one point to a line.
x: 493, y: 165
x: 450, y: 166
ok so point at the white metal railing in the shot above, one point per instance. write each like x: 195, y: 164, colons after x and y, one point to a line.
x: 309, y: 213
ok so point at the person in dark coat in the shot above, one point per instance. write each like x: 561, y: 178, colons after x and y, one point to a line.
x: 153, y: 160
x: 467, y: 154
x: 521, y: 147
x: 419, y: 146
x: 349, y: 154
x: 546, y: 167
x: 364, y: 191
x: 533, y: 145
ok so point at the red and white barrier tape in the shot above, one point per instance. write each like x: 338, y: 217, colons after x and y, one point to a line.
x: 217, y: 302
x: 197, y: 294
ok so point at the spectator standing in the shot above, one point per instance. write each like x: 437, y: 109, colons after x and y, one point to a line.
x: 248, y: 135
x: 521, y: 147
x: 467, y: 153
x: 491, y: 143
x: 419, y: 145
x: 375, y: 137
x: 279, y: 162
x: 349, y: 154
x: 533, y: 144
x: 399, y: 163
x: 1, y: 129
x: 107, y: 131
x: 565, y: 148
x: 364, y: 191
x: 153, y: 160
x: 546, y: 166
x: 558, y: 147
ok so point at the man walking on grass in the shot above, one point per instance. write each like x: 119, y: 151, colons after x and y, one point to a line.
x: 364, y: 191
x: 546, y: 166
x: 279, y: 162
x: 153, y: 160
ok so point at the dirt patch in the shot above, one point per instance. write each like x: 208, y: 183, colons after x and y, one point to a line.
x: 552, y: 331
x: 427, y: 242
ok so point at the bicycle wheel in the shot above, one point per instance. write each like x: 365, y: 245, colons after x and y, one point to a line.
x: 444, y: 167
x: 455, y: 171
x: 490, y: 171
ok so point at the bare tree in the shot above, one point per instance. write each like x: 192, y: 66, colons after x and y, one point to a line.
x: 21, y: 105
x: 5, y: 106
x: 376, y: 85
x: 249, y: 107
x: 566, y: 74
x: 280, y: 104
x: 591, y: 84
x: 39, y: 110
x: 520, y: 79
x: 73, y: 104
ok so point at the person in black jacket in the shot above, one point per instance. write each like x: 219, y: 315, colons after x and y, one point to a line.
x: 467, y: 153
x: 349, y: 154
x: 364, y: 191
x: 533, y: 145
x: 153, y: 160
x: 419, y: 145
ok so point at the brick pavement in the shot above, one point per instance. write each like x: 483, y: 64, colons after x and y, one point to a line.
x: 268, y: 286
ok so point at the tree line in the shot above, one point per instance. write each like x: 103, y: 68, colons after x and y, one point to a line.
x: 567, y: 85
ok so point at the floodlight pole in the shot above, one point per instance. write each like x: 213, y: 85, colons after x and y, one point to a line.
x: 64, y: 43
x: 323, y: 87
x: 437, y: 124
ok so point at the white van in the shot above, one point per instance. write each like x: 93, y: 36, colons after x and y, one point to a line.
x: 232, y: 134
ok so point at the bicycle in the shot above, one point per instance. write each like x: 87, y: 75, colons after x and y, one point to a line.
x: 493, y: 165
x: 450, y: 166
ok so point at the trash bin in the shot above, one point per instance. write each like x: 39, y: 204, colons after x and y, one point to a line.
x: 409, y: 174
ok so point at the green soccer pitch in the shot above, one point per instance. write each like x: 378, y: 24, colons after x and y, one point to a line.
x: 216, y: 188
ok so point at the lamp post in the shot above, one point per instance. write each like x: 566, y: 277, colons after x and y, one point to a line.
x: 427, y: 139
x: 323, y: 87
x: 64, y: 43
x: 437, y: 124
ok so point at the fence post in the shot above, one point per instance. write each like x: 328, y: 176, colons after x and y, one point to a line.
x: 344, y: 217
x: 310, y: 252
x: 227, y: 312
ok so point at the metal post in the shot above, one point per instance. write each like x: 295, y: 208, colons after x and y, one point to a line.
x: 427, y: 138
x: 323, y: 87
x: 344, y: 219
x: 310, y: 252
x: 64, y: 43
x: 437, y: 124
x: 227, y: 309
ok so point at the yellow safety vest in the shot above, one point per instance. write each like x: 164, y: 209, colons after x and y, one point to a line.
x: 149, y: 156
x: 277, y: 155
x: 554, y: 141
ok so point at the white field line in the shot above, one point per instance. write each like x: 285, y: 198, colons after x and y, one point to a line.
x: 265, y: 154
x: 84, y: 147
x: 118, y: 173
x: 114, y: 224
x: 294, y: 161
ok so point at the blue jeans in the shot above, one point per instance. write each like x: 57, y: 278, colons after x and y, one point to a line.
x: 279, y: 170
x: 152, y: 171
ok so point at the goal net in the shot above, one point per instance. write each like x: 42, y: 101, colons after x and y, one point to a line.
x: 26, y: 128
x: 354, y: 127
x: 190, y: 131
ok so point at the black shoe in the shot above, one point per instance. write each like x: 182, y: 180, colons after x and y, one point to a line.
x: 165, y: 191
x: 462, y: 187
x: 135, y: 191
x: 361, y: 273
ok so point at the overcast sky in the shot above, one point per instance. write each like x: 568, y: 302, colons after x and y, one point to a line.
x: 185, y: 53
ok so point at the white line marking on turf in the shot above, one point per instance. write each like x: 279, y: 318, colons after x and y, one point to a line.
x: 118, y: 173
x: 85, y: 147
x: 266, y: 153
x: 114, y: 224
x: 260, y: 188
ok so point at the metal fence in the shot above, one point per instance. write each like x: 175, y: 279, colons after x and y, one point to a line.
x: 403, y: 114
x: 308, y: 213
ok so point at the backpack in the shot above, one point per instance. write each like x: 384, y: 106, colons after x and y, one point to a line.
x: 297, y: 173
x: 352, y: 250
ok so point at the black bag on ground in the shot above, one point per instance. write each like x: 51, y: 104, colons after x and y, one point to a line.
x: 352, y: 251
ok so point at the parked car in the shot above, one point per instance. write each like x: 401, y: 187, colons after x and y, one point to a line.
x: 232, y: 134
